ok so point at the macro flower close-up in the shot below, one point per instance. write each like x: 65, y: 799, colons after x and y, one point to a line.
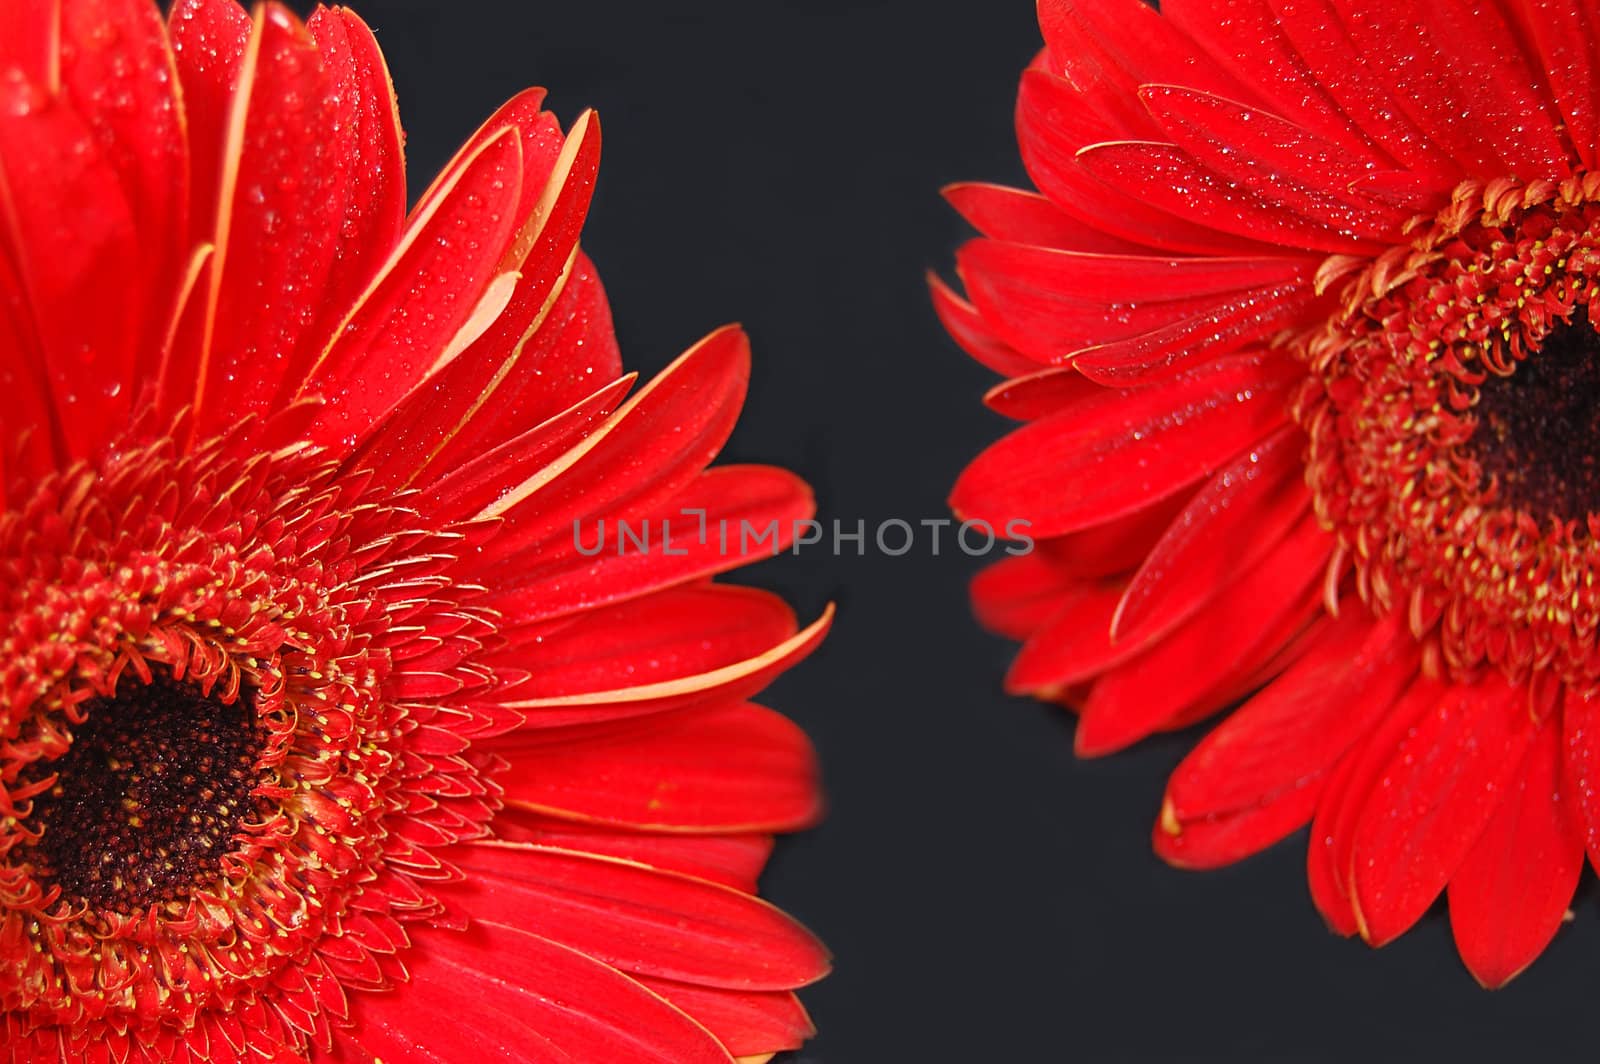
x: 321, y: 735
x: 1298, y: 326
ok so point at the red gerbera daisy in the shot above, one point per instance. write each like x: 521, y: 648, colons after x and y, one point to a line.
x: 320, y: 737
x: 1301, y: 330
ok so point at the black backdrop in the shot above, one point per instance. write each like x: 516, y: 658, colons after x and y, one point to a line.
x: 987, y: 896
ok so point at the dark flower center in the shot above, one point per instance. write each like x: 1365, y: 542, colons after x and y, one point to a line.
x: 1538, y: 428
x: 146, y: 801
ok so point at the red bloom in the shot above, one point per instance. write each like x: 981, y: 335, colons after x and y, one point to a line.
x: 319, y: 737
x: 1301, y: 330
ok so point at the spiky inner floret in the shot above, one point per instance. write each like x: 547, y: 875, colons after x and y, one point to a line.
x: 203, y: 733
x: 1450, y: 413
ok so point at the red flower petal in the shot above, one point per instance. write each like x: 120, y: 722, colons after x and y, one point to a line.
x: 748, y: 1023
x: 733, y: 860
x: 1115, y: 547
x: 1511, y: 892
x: 726, y: 517
x: 1201, y: 654
x: 1441, y: 786
x: 1580, y: 724
x: 1167, y: 177
x: 1230, y: 523
x: 1563, y: 34
x: 208, y: 44
x: 370, y: 150
x: 279, y: 211
x: 140, y: 130
x: 1361, y: 91
x: 466, y: 489
x: 1028, y: 218
x: 642, y: 456
x: 1244, y: 36
x: 1073, y: 646
x: 739, y: 768
x: 1068, y: 472
x: 1051, y: 303
x: 1053, y: 123
x: 23, y: 377
x: 967, y: 328
x: 637, y: 919
x: 66, y: 226
x: 1279, y: 746
x: 1445, y: 64
x: 1282, y: 162
x: 1038, y: 394
x: 727, y: 683
x: 493, y: 985
x: 1015, y: 596
x: 660, y: 637
x: 424, y: 297
x: 550, y: 347
x: 1138, y: 44
x: 1242, y: 319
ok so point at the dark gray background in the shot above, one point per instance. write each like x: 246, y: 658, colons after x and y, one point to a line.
x: 988, y: 897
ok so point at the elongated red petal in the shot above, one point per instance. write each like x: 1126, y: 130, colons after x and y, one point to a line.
x: 1511, y: 892
x: 540, y: 1001
x: 1028, y: 218
x: 659, y: 637
x: 141, y: 131
x: 733, y: 860
x: 642, y: 456
x: 747, y: 1022
x: 1050, y: 303
x: 1039, y: 394
x: 1580, y: 726
x: 1053, y: 123
x: 432, y: 287
x: 1563, y: 34
x: 466, y: 489
x: 1169, y: 178
x: 1073, y: 645
x: 727, y: 683
x: 1431, y: 802
x: 1134, y: 41
x: 1015, y: 596
x: 1244, y: 36
x: 1299, y: 725
x: 638, y: 919
x: 1333, y: 831
x: 67, y: 228
x: 1148, y: 693
x: 1131, y: 449
x: 1361, y: 91
x: 1212, y: 818
x: 741, y: 768
x: 1232, y: 521
x: 1279, y: 160
x: 1461, y: 76
x: 966, y: 326
x: 551, y: 346
x: 726, y: 517
x: 280, y: 210
x: 208, y: 44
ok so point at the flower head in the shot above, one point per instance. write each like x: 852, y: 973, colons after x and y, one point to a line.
x: 320, y: 737
x: 1300, y: 328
